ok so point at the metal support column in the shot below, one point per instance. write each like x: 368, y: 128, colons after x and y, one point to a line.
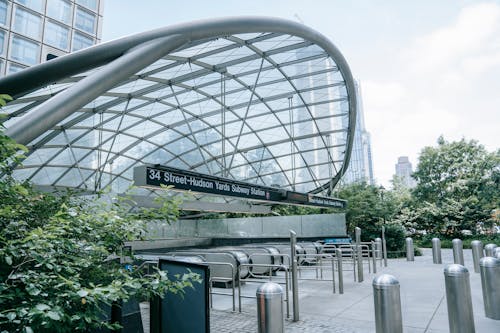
x: 359, y: 253
x: 295, y: 282
x: 384, y: 246
x: 338, y: 254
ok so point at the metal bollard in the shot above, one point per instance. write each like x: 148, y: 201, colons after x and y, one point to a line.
x: 477, y: 253
x: 338, y: 254
x: 270, y: 308
x: 384, y: 246
x: 410, y: 255
x: 295, y: 281
x: 378, y: 244
x: 359, y: 253
x: 387, y: 302
x: 458, y: 298
x: 496, y: 253
x: 458, y: 251
x: 488, y: 249
x: 490, y: 282
x: 436, y: 251
x: 374, y: 257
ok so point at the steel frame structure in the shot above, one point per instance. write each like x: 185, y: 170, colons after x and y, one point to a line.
x: 258, y: 99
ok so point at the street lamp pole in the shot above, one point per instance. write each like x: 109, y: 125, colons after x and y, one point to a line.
x: 384, y: 244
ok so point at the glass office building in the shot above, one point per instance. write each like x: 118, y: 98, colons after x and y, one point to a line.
x: 404, y: 170
x: 361, y: 165
x: 34, y: 31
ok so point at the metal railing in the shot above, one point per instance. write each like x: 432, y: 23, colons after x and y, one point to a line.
x: 258, y: 278
x: 319, y: 258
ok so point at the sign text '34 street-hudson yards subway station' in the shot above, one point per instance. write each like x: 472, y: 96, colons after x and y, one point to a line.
x: 207, y: 185
x: 156, y: 176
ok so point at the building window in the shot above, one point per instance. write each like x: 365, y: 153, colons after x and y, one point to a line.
x: 56, y: 35
x: 32, y: 4
x: 27, y: 23
x: 90, y: 4
x: 2, y: 42
x: 3, y: 12
x: 80, y: 41
x: 85, y: 21
x: 24, y: 51
x: 14, y: 68
x: 59, y: 10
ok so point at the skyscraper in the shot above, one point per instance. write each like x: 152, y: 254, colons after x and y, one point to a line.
x: 34, y: 31
x: 360, y: 167
x: 404, y: 171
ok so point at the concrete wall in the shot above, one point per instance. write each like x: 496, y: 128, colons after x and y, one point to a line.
x: 321, y: 225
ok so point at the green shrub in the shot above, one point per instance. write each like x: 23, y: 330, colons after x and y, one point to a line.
x: 446, y: 241
x: 57, y: 257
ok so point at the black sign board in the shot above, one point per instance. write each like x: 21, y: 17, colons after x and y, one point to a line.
x: 184, y: 312
x: 196, y: 182
x: 316, y: 200
x: 156, y: 176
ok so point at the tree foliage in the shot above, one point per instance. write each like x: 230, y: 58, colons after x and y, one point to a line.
x: 458, y: 185
x: 58, y: 257
x: 369, y: 208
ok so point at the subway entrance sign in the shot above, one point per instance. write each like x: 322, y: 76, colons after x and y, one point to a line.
x: 154, y: 176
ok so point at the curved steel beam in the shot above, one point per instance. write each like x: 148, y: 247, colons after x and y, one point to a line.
x: 48, y: 114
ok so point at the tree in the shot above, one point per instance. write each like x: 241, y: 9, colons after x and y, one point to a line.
x: 458, y: 185
x: 58, y: 271
x: 370, y: 207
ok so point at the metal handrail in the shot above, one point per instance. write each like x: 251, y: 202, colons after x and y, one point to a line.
x: 286, y: 270
x: 321, y: 257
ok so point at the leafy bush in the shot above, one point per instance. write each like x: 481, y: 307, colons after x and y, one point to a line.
x: 59, y: 258
x: 446, y: 242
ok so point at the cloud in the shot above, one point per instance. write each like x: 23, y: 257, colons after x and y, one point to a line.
x: 470, y: 35
x: 443, y: 82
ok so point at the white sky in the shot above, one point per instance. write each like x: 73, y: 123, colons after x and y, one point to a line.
x: 426, y: 67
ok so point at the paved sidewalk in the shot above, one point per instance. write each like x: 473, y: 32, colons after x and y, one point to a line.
x: 423, y: 302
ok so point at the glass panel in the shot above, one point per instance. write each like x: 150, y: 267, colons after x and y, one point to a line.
x: 92, y: 4
x: 2, y: 41
x: 27, y: 23
x: 85, y: 21
x: 24, y: 51
x: 80, y: 42
x: 33, y: 4
x: 59, y: 10
x: 3, y: 12
x: 13, y: 68
x: 56, y: 35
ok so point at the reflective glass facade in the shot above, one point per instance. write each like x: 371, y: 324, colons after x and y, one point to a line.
x: 361, y: 164
x: 33, y: 31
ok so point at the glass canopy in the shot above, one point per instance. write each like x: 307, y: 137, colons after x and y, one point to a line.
x: 266, y: 107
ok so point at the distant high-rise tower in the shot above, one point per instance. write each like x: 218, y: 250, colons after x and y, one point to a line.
x: 360, y: 167
x: 34, y: 31
x: 404, y: 171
